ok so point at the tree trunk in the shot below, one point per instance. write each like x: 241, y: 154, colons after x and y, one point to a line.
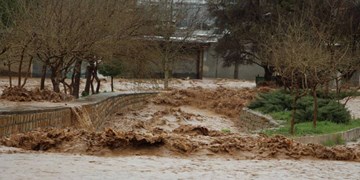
x: 315, y: 112
x: 56, y: 84
x: 92, y: 86
x: 66, y: 85
x: 76, y: 79
x: 292, y: 122
x: 98, y: 82
x: 27, y: 72
x: 112, y: 83
x: 268, y: 73
x: 338, y: 87
x: 20, y: 69
x: 56, y: 74
x: 43, y: 76
x: 236, y: 70
x: 54, y: 80
x: 166, y: 73
x: 89, y: 69
x: 10, y: 76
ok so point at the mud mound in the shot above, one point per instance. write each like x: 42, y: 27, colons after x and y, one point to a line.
x: 113, y: 139
x: 41, y: 140
x: 187, y: 129
x: 162, y: 143
x: 221, y: 100
x: 21, y: 94
x: 196, y: 130
x: 80, y: 141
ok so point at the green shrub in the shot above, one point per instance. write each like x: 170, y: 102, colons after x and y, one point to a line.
x: 272, y: 102
x: 279, y: 101
x: 84, y: 94
x: 334, y: 112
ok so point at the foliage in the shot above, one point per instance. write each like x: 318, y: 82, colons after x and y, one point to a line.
x: 306, y: 128
x: 84, y: 94
x: 280, y: 101
x: 8, y: 8
x: 334, y: 112
x: 241, y: 24
x: 111, y: 68
x: 276, y: 101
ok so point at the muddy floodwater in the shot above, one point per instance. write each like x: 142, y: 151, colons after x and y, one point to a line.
x: 65, y: 166
x: 185, y: 133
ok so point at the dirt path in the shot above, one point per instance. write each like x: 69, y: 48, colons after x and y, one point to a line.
x: 63, y: 166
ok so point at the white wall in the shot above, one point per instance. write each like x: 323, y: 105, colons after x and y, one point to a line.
x: 213, y: 68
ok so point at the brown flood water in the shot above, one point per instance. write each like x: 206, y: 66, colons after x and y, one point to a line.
x: 68, y: 166
x: 174, y: 137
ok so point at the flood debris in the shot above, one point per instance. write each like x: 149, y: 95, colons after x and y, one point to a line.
x: 222, y: 100
x: 186, y: 140
x: 21, y: 94
x: 186, y: 122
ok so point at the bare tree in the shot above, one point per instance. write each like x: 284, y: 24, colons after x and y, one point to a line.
x: 63, y: 35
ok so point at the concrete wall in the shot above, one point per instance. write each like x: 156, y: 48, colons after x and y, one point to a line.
x: 355, y: 79
x: 213, y: 68
x: 256, y: 121
x: 347, y: 136
x: 98, y: 107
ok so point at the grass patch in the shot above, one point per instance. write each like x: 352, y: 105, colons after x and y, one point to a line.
x: 338, y: 141
x: 306, y: 128
x: 283, y: 115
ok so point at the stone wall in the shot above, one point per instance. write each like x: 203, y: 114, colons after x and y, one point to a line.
x: 256, y: 121
x: 98, y: 107
x: 22, y: 121
x: 102, y: 111
x: 347, y: 136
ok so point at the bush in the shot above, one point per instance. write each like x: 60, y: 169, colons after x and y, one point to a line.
x: 334, y: 112
x: 280, y: 101
x: 272, y: 102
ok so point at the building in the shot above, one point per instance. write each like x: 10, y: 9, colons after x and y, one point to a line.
x: 205, y: 62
